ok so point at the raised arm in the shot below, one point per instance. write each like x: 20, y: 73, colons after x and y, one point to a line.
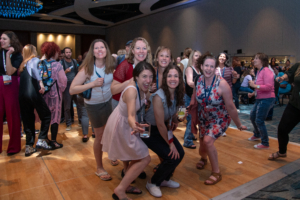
x: 77, y: 84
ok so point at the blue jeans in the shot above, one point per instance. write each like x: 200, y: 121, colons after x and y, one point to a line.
x: 258, y: 115
x: 246, y: 89
x: 188, y: 135
x: 235, y: 91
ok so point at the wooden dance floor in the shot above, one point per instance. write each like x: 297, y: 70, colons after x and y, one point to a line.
x: 69, y: 173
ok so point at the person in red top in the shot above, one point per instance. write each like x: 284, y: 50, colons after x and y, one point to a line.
x: 139, y: 51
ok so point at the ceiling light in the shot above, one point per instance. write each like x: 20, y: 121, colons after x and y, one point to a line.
x: 19, y: 8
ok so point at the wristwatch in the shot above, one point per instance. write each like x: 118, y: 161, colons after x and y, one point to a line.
x: 258, y: 86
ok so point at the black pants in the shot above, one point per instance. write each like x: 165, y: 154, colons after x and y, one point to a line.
x: 157, y: 144
x: 30, y: 99
x: 289, y: 119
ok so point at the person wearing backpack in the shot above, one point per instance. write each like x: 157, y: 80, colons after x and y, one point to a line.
x: 30, y: 98
x: 70, y: 67
x: 58, y: 83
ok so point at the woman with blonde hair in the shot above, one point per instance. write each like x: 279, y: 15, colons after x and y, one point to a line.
x: 30, y: 98
x: 162, y: 59
x: 191, y: 72
x: 96, y: 73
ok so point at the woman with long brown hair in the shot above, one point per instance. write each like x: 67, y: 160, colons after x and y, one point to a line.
x: 96, y: 73
x: 10, y: 60
x: 162, y: 115
x: 30, y: 98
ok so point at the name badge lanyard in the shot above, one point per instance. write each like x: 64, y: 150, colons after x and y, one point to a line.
x: 6, y: 78
x: 100, y: 77
x: 143, y: 107
x: 207, y: 97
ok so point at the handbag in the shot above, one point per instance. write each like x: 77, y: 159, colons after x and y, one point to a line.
x: 86, y: 94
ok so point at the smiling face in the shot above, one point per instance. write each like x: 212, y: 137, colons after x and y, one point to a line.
x: 99, y: 50
x: 164, y: 58
x: 139, y: 51
x: 5, y: 41
x: 209, y: 67
x: 222, y: 58
x: 173, y: 79
x: 144, y: 80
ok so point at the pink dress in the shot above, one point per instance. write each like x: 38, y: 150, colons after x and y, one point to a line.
x: 117, y: 140
x: 54, y: 98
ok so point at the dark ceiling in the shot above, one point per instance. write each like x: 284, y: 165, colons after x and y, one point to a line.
x: 112, y: 13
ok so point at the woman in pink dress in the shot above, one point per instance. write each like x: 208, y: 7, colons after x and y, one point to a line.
x: 54, y: 97
x: 121, y: 138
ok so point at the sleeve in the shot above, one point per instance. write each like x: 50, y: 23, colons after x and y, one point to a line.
x: 268, y: 80
x: 35, y: 69
x: 121, y: 71
x: 160, y: 94
x: 291, y: 72
x: 16, y: 60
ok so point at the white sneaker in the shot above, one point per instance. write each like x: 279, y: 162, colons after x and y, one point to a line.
x: 224, y: 134
x: 153, y: 190
x: 170, y: 184
x: 68, y: 128
x: 238, y: 110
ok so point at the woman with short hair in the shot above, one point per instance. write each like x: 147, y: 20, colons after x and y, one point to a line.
x: 265, y: 98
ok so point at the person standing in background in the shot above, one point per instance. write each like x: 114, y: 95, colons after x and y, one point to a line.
x: 185, y: 60
x: 70, y: 67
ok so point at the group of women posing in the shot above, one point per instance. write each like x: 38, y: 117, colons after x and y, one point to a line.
x: 134, y: 84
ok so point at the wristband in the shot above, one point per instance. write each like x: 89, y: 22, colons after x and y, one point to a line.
x: 171, y: 140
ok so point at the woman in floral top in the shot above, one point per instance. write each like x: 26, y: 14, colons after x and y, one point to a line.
x: 215, y: 110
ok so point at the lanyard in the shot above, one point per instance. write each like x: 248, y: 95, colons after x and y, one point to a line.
x: 258, y: 74
x: 157, y: 79
x: 4, y: 63
x: 207, y: 97
x: 143, y: 108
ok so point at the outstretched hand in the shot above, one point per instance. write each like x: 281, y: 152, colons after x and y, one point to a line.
x: 138, y: 128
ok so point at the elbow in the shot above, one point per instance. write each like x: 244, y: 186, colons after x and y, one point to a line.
x: 71, y: 91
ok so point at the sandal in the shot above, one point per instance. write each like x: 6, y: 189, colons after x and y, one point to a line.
x: 114, y: 162
x: 115, y: 197
x: 218, y: 177
x: 132, y: 190
x: 276, y: 155
x: 200, y: 165
x: 103, y: 174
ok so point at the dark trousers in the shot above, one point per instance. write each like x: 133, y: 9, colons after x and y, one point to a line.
x: 27, y: 112
x: 9, y: 105
x: 67, y: 98
x: 235, y: 91
x: 289, y: 119
x: 158, y: 145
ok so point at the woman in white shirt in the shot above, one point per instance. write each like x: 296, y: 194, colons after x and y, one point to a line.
x: 96, y: 72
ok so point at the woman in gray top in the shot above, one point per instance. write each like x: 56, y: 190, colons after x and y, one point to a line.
x: 30, y: 98
x: 163, y: 119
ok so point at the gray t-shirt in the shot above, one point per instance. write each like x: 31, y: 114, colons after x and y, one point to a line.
x: 168, y: 112
x: 71, y: 75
